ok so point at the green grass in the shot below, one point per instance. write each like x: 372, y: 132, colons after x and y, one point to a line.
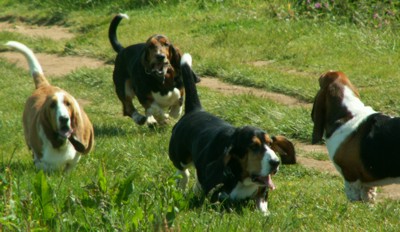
x: 127, y: 183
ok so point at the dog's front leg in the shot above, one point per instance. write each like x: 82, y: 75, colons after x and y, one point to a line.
x: 262, y: 200
x: 155, y: 114
x: 176, y: 110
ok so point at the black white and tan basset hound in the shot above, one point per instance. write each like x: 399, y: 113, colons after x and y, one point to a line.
x: 362, y: 143
x: 239, y: 161
x: 149, y: 71
x: 56, y: 128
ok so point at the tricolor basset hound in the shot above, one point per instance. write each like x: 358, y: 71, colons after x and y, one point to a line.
x: 56, y: 128
x: 149, y: 71
x: 362, y: 143
x: 232, y: 163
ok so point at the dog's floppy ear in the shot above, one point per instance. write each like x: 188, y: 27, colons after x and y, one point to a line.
x: 175, y: 57
x: 285, y: 148
x: 82, y: 137
x: 217, y: 171
x: 318, y: 117
x: 48, y: 122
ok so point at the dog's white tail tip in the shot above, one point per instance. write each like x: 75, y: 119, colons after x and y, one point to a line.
x: 34, y: 64
x: 186, y: 59
x: 123, y: 15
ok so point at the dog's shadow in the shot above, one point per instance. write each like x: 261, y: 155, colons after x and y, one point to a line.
x: 224, y: 205
x: 112, y: 131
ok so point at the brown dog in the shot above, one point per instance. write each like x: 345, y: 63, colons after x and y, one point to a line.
x: 55, y: 126
x: 150, y: 71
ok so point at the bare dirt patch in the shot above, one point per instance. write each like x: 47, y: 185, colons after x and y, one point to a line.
x: 52, y: 32
x: 229, y: 89
x: 60, y: 65
x: 54, y: 65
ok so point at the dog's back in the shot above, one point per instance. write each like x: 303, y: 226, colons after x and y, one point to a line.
x: 188, y: 138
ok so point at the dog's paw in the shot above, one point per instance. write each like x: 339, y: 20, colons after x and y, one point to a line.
x: 139, y: 119
x: 175, y: 112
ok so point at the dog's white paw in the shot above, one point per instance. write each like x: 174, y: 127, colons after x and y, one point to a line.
x: 175, y: 111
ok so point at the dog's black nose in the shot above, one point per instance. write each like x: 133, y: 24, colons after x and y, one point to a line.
x: 160, y: 57
x: 63, y: 120
x: 274, y: 163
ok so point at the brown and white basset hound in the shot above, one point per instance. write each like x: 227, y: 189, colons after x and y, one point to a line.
x: 56, y: 128
x: 149, y: 71
x: 232, y: 163
x: 362, y: 143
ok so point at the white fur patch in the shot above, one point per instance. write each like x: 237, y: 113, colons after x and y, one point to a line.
x: 186, y: 59
x: 244, y: 190
x: 265, y: 163
x: 124, y: 15
x: 182, y: 183
x: 167, y: 100
x: 359, y: 111
x: 61, y: 109
x: 64, y: 157
x: 357, y: 191
x: 263, y: 206
x: 34, y: 65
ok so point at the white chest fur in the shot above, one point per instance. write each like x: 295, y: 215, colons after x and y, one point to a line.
x: 243, y: 190
x: 62, y: 158
x: 359, y: 111
x: 167, y: 100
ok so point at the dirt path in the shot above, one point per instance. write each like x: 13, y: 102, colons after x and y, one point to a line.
x: 60, y: 65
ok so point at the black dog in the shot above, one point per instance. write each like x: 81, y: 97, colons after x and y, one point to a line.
x: 239, y: 160
x: 149, y: 71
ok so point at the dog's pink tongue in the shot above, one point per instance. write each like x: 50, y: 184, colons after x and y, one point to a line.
x: 270, y: 183
x: 66, y: 133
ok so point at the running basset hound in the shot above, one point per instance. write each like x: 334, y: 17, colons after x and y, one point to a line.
x: 362, y: 143
x: 232, y: 163
x: 149, y: 71
x: 56, y: 128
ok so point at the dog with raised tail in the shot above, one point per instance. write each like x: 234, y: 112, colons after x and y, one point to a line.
x: 231, y: 162
x: 150, y: 72
x: 56, y: 127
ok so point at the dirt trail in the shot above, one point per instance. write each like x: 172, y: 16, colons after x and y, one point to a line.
x: 60, y: 65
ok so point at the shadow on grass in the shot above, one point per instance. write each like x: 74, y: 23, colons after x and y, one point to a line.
x: 111, y: 131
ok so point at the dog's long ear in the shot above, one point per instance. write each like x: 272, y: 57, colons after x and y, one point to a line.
x: 175, y: 57
x: 82, y: 137
x: 47, y: 120
x: 284, y: 148
x: 216, y: 172
x: 318, y: 117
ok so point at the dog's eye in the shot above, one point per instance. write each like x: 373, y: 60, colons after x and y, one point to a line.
x: 254, y: 147
x: 53, y: 104
x: 67, y: 103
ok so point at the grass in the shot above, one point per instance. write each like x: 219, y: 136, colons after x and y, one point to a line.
x: 127, y: 183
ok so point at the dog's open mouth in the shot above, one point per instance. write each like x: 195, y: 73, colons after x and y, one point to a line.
x: 160, y: 69
x: 264, y: 180
x: 65, y: 132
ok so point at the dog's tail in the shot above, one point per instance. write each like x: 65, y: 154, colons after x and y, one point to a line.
x: 112, y: 32
x: 192, y: 101
x: 34, y: 65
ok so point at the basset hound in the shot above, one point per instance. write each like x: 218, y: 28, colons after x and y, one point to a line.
x: 56, y: 128
x: 362, y: 143
x: 149, y: 71
x: 232, y: 163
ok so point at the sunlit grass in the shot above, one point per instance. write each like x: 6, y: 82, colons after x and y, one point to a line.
x: 127, y: 183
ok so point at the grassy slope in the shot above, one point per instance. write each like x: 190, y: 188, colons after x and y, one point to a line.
x: 224, y: 39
